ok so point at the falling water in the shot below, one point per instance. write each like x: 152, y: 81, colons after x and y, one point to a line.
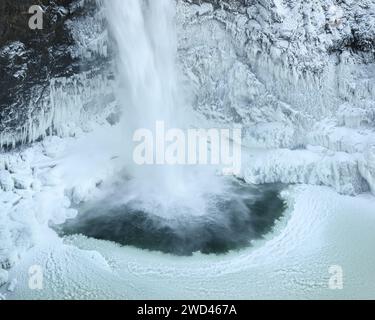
x: 176, y: 209
x: 145, y: 35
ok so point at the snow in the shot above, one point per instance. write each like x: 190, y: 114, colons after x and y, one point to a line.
x: 6, y: 181
x: 227, y: 47
x: 27, y: 204
x: 89, y: 35
x: 367, y: 167
x: 295, y: 258
x: 63, y: 109
x: 293, y: 262
x: 4, y: 276
x: 308, y: 119
x: 315, y: 166
x: 289, y: 94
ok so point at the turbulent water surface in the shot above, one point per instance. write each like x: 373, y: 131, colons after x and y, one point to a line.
x: 233, y: 218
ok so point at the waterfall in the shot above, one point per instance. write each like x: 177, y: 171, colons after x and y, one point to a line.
x: 145, y: 34
x: 180, y: 207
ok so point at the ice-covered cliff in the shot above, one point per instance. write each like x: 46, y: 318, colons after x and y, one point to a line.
x: 297, y: 75
x: 51, y: 77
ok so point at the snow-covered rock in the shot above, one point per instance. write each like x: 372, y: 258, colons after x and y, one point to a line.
x: 367, y: 167
x: 293, y: 74
x: 46, y: 90
x: 265, y: 62
x: 23, y: 181
x: 12, y: 285
x: 338, y: 170
x: 4, y: 277
x: 6, y: 181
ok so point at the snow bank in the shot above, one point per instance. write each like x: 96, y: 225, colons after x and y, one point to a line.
x: 291, y: 263
x: 39, y: 184
x: 318, y: 167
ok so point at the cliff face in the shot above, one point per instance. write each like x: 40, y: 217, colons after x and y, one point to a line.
x: 297, y: 75
x: 28, y: 58
x: 31, y: 62
x: 15, y: 19
x: 316, y: 49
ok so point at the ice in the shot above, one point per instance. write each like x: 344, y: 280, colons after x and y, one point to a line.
x: 23, y: 181
x: 367, y: 167
x: 296, y: 259
x: 4, y: 276
x: 12, y: 285
x: 308, y: 115
x: 6, y: 181
x: 290, y: 93
x: 338, y: 170
x: 91, y: 39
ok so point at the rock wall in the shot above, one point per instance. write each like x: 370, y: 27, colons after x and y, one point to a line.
x: 66, y: 57
x: 296, y: 75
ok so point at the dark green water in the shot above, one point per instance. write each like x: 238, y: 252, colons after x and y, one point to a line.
x: 230, y: 223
